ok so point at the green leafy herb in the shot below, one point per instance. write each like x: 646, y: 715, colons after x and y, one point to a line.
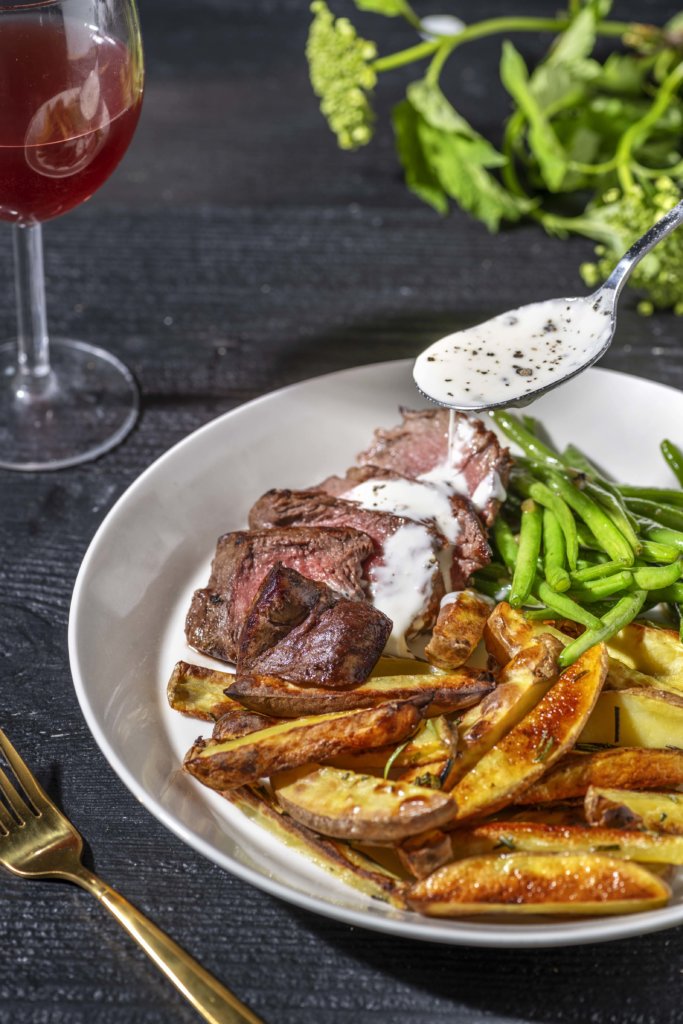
x: 390, y: 761
x: 428, y: 780
x: 544, y: 748
x: 608, y: 130
x: 505, y: 843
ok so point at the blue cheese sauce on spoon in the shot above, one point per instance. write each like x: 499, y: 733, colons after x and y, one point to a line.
x: 509, y: 359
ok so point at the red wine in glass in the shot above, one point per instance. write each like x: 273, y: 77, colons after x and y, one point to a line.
x: 71, y: 83
x: 73, y: 112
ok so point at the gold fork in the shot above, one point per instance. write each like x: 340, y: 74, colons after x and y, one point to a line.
x: 38, y: 841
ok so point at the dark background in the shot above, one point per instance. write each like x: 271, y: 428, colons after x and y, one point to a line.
x: 234, y: 251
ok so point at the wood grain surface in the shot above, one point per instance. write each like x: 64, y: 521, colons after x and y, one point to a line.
x: 236, y: 250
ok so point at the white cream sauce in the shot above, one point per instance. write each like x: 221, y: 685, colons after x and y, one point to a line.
x: 506, y: 358
x: 424, y: 502
x: 401, y: 586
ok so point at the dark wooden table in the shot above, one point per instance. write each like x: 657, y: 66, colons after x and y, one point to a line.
x: 237, y: 250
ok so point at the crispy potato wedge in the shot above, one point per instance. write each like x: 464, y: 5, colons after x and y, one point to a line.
x: 651, y: 650
x: 532, y: 746
x: 346, y: 805
x: 521, y: 684
x: 423, y: 854
x: 389, y: 666
x: 620, y: 768
x: 433, y: 740
x: 451, y: 692
x: 636, y: 718
x: 289, y: 744
x: 433, y: 775
x: 348, y: 865
x: 458, y: 629
x: 535, y: 837
x: 507, y: 632
x: 239, y: 722
x: 199, y: 692
x: 528, y: 883
x: 629, y: 809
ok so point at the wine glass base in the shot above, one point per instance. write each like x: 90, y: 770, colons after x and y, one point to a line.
x: 85, y: 406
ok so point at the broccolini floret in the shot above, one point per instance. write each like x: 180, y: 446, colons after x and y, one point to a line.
x: 626, y: 215
x: 341, y: 75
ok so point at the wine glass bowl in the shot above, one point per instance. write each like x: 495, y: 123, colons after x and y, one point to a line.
x: 71, y: 86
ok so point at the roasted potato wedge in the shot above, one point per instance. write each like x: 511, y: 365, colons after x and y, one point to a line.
x: 636, y: 718
x: 346, y: 805
x: 651, y: 650
x: 622, y: 677
x: 434, y: 775
x: 239, y: 722
x: 423, y: 854
x: 289, y: 744
x: 521, y: 684
x: 458, y: 629
x: 535, y: 837
x: 527, y: 883
x: 451, y: 692
x: 624, y: 808
x: 433, y: 740
x: 348, y: 865
x: 507, y: 632
x: 532, y: 746
x: 199, y: 692
x: 619, y: 768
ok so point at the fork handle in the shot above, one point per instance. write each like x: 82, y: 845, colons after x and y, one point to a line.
x: 212, y: 1000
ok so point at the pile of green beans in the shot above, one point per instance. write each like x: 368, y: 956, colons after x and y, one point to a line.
x: 571, y: 544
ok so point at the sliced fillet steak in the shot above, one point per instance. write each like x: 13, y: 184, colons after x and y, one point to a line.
x: 470, y: 547
x: 404, y: 576
x: 244, y: 558
x: 479, y: 469
x: 302, y: 632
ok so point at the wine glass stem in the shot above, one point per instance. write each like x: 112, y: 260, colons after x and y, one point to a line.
x: 33, y: 348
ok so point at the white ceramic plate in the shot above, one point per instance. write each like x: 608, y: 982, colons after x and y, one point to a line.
x: 154, y: 548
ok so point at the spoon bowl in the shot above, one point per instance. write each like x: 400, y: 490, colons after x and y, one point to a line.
x: 517, y: 356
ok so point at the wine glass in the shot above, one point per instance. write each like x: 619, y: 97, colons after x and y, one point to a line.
x: 71, y: 82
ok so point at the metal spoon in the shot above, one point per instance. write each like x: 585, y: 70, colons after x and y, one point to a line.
x: 520, y: 355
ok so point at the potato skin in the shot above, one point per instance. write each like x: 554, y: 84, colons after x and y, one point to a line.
x: 620, y: 768
x: 272, y: 696
x: 290, y: 744
x: 556, y: 883
x: 346, y: 805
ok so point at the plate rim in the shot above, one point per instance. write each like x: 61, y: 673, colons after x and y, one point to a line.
x: 460, y: 931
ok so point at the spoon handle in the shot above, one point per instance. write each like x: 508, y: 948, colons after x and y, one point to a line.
x: 617, y: 279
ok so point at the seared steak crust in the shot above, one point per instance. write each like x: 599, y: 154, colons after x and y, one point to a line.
x: 302, y: 632
x: 420, y: 444
x: 244, y: 558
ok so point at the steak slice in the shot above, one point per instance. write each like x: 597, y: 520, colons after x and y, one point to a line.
x: 403, y: 574
x: 244, y: 558
x: 470, y: 546
x: 303, y: 632
x: 478, y: 466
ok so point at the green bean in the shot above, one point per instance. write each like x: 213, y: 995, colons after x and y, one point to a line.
x: 651, y: 551
x: 679, y: 609
x: 618, y: 512
x: 672, y: 594
x: 599, y: 589
x: 674, y: 456
x: 562, y: 512
x: 527, y: 556
x: 623, y: 612
x: 667, y: 515
x: 606, y: 533
x: 565, y: 607
x: 660, y: 534
x: 493, y: 571
x: 492, y: 588
x: 515, y: 431
x: 505, y: 542
x: 554, y: 552
x: 596, y: 572
x: 659, y: 494
x: 649, y: 577
x: 588, y: 540
x: 574, y: 458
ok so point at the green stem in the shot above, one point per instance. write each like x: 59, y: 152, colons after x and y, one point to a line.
x: 675, y: 171
x: 635, y: 132
x: 409, y: 56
